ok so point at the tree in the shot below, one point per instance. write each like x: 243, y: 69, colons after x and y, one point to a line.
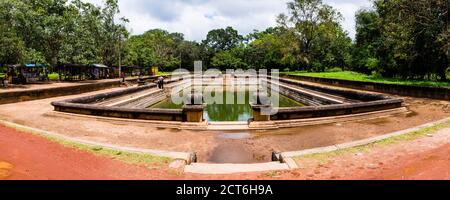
x: 161, y: 48
x: 368, y: 40
x: 16, y: 39
x: 189, y: 52
x: 222, y: 39
x: 111, y: 33
x: 312, y: 27
x: 228, y: 60
x: 82, y: 42
x: 58, y: 31
x: 401, y: 39
x: 266, y: 50
x: 219, y: 40
x: 12, y: 49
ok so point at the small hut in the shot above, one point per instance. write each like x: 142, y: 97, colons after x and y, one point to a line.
x: 76, y: 72
x: 99, y: 71
x: 71, y: 72
x: 28, y: 73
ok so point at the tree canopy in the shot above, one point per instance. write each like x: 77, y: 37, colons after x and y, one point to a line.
x: 404, y: 39
x: 396, y: 38
x: 57, y: 31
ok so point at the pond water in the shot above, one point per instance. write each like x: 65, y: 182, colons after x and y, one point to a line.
x: 238, y: 109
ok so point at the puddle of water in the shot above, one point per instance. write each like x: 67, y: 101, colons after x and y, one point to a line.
x: 231, y: 153
x: 235, y: 136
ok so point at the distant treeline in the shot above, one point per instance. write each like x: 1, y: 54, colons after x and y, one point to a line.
x: 396, y: 38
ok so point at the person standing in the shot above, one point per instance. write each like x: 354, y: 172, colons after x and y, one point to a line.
x: 162, y: 82
x: 158, y: 83
x: 122, y: 76
x: 6, y: 80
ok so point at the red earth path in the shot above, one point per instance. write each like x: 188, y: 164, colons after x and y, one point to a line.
x: 25, y: 156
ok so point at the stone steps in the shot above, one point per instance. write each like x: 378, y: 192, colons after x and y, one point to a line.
x: 205, y: 168
x: 219, y: 126
x: 322, y: 94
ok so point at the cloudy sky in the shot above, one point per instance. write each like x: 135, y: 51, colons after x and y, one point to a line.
x: 195, y: 18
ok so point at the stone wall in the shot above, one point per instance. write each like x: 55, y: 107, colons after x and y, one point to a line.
x: 403, y: 90
x: 335, y: 110
x: 118, y: 112
x: 30, y: 95
x: 350, y: 94
x: 367, y: 102
x: 83, y: 105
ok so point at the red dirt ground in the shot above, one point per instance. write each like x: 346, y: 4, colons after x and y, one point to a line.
x: 33, y: 157
x: 25, y: 156
x: 431, y: 165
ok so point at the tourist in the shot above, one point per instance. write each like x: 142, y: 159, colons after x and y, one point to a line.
x: 122, y: 76
x: 158, y: 82
x: 162, y: 82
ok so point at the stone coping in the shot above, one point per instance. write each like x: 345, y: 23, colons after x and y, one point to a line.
x: 403, y: 90
x: 338, y: 107
x: 373, y: 102
x: 291, y: 123
x: 351, y: 94
x: 82, y: 105
x: 78, y: 88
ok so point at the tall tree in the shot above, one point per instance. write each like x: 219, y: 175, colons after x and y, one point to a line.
x: 311, y: 27
x: 160, y: 48
x: 82, y: 42
x: 412, y: 41
x: 219, y: 40
x: 367, y: 42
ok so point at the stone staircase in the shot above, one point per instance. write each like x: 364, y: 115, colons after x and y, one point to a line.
x: 206, y: 168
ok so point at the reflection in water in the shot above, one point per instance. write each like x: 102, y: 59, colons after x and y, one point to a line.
x: 237, y: 110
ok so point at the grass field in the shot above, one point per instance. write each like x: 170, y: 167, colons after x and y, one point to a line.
x: 354, y: 76
x: 53, y: 76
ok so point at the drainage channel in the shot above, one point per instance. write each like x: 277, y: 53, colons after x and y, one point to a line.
x: 277, y: 164
x: 231, y: 156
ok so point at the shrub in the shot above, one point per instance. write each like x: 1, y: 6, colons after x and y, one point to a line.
x: 335, y: 69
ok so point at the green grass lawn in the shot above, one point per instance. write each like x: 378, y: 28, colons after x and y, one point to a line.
x: 53, y: 76
x: 354, y: 76
x: 164, y: 73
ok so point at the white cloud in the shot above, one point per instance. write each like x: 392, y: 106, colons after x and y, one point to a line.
x: 195, y: 18
x: 348, y: 9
